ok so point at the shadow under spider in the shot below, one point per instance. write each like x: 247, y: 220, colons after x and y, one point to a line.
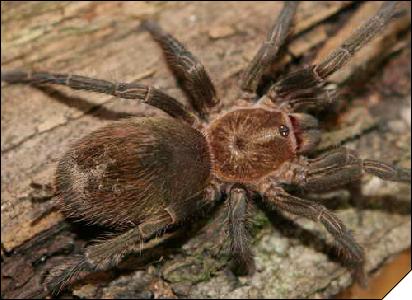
x: 351, y: 196
x: 81, y: 104
x: 85, y: 233
x: 178, y: 236
x: 289, y: 229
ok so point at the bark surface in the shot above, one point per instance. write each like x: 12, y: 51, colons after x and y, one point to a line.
x: 295, y: 258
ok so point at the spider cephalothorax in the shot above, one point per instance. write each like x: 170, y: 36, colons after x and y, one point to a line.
x: 143, y: 176
x: 248, y: 144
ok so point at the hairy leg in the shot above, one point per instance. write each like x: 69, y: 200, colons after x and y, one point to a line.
x: 338, y: 58
x: 238, y: 230
x: 341, y: 166
x: 187, y: 68
x: 302, y: 90
x: 269, y: 49
x: 292, y: 89
x: 110, y: 251
x: 351, y: 251
x: 135, y: 91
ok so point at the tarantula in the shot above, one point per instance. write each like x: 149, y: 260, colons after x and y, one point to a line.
x: 145, y: 175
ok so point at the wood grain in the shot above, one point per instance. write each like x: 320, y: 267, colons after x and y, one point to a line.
x: 100, y: 39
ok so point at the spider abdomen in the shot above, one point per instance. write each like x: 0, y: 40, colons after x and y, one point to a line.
x: 128, y: 171
x: 248, y: 144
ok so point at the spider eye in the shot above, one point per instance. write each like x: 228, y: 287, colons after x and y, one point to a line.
x: 284, y: 130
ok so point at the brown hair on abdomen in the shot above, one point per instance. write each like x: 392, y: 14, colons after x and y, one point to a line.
x: 123, y: 173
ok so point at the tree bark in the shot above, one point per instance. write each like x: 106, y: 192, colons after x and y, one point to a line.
x: 295, y: 258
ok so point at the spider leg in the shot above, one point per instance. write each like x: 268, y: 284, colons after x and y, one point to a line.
x: 135, y: 91
x: 357, y: 40
x: 351, y: 251
x: 341, y: 166
x: 109, y: 252
x: 238, y: 231
x: 302, y: 90
x: 186, y: 67
x: 289, y: 89
x: 268, y: 51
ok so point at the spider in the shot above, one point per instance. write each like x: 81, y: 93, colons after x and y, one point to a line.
x: 143, y: 176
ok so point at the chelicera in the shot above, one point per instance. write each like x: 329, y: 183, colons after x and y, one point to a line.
x: 143, y: 176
